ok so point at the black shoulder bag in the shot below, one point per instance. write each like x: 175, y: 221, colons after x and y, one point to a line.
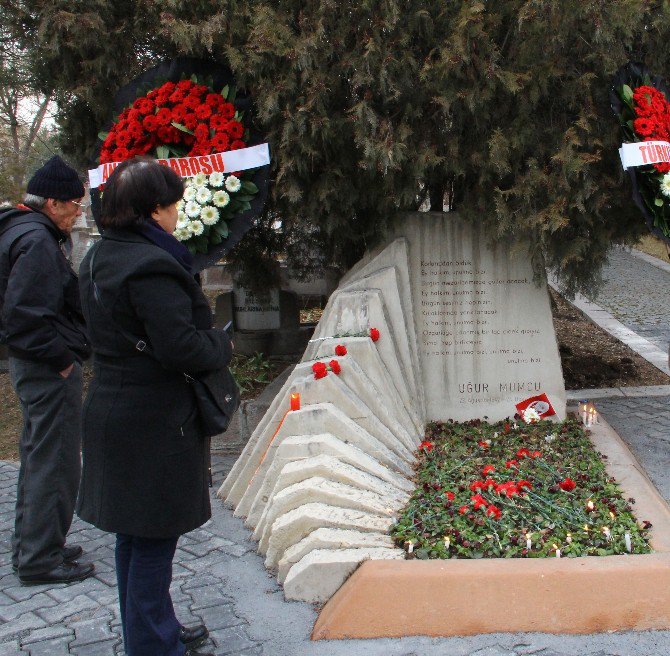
x: 216, y: 392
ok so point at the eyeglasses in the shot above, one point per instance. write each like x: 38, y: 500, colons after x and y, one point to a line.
x: 83, y: 205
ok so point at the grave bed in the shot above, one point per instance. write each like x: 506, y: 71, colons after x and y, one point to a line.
x: 567, y: 595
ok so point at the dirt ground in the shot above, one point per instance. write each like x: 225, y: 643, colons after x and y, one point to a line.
x: 590, y: 357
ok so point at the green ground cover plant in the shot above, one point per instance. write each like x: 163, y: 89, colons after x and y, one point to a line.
x: 515, y: 490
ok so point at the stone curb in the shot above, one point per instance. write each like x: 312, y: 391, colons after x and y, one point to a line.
x: 650, y: 259
x: 618, y: 392
x: 609, y: 324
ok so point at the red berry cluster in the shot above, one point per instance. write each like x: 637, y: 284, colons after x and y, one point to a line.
x: 207, y: 117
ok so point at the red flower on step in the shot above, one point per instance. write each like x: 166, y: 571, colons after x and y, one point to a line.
x: 512, y: 463
x: 374, y: 334
x: 426, y: 446
x: 494, y: 512
x: 487, y: 470
x: 463, y: 509
x: 479, y: 501
x: 523, y: 453
x: 340, y: 350
x: 320, y: 370
x: 335, y: 367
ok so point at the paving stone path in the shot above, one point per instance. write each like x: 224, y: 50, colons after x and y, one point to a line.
x: 219, y: 579
x: 634, y: 292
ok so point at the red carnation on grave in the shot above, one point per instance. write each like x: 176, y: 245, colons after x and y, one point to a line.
x: 463, y: 509
x: 122, y: 139
x: 568, y: 485
x: 483, y: 444
x: 374, y: 334
x: 184, y: 84
x: 227, y: 110
x: 150, y: 123
x: 340, y: 350
x: 191, y: 102
x: 536, y: 454
x: 120, y: 154
x: 487, y: 470
x: 335, y: 367
x: 177, y: 96
x: 645, y: 127
x: 217, y: 122
x: 523, y: 453
x: 220, y: 142
x: 524, y: 484
x: 479, y: 501
x: 494, y: 512
x: 235, y: 129
x: 237, y: 144
x: 214, y: 100
x: 190, y: 121
x: 320, y: 370
x: 164, y: 116
x: 512, y: 463
x: 477, y: 485
x: 201, y: 132
x: 450, y: 495
x: 426, y: 446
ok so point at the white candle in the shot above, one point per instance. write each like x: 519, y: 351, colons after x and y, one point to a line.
x: 583, y: 409
x: 447, y: 542
x: 558, y: 553
x: 568, y: 539
x: 411, y: 547
x: 529, y: 542
x: 629, y: 546
x: 607, y: 533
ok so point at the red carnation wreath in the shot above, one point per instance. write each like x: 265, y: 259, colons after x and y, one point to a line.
x: 178, y: 118
x: 188, y: 119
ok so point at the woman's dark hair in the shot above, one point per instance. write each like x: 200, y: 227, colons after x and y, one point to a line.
x: 134, y: 190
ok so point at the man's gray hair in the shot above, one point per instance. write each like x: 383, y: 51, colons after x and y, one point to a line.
x: 36, y: 202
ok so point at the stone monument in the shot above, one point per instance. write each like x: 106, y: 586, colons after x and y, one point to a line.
x: 464, y: 332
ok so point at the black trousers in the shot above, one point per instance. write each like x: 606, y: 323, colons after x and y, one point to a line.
x: 144, y: 574
x: 50, y: 452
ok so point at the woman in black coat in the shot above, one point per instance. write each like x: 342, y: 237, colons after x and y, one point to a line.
x: 145, y: 460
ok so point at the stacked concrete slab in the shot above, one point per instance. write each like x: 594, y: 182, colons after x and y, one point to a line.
x: 320, y: 486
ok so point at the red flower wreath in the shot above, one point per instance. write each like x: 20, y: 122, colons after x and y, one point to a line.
x: 185, y: 117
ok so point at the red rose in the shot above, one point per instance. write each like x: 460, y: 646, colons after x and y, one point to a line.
x: 426, y: 445
x: 335, y: 367
x: 220, y: 142
x: 237, y: 145
x: 340, y: 350
x: 374, y: 334
x: 164, y: 116
x: 568, y: 485
x: 487, y: 470
x: 463, y: 509
x: 203, y: 112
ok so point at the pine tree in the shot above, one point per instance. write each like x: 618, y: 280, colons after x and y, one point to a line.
x: 499, y: 110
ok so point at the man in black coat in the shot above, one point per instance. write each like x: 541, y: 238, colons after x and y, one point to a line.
x: 42, y: 325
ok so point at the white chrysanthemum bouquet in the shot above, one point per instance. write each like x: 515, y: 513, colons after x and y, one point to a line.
x: 209, y: 202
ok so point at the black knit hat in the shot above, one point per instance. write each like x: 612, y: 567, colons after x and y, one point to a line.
x: 56, y: 180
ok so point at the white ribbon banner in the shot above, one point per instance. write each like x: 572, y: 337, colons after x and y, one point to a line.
x: 644, y: 152
x: 232, y: 160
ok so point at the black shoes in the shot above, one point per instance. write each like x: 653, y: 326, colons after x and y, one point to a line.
x: 70, y: 553
x: 194, y: 636
x: 63, y: 573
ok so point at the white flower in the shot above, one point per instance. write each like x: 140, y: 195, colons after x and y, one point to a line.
x: 209, y: 215
x: 220, y: 198
x: 182, y: 221
x: 216, y: 179
x: 233, y: 183
x: 530, y: 415
x: 665, y: 184
x: 181, y: 234
x: 203, y: 196
x: 199, y: 180
x: 196, y: 227
x: 189, y: 193
x: 192, y: 209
